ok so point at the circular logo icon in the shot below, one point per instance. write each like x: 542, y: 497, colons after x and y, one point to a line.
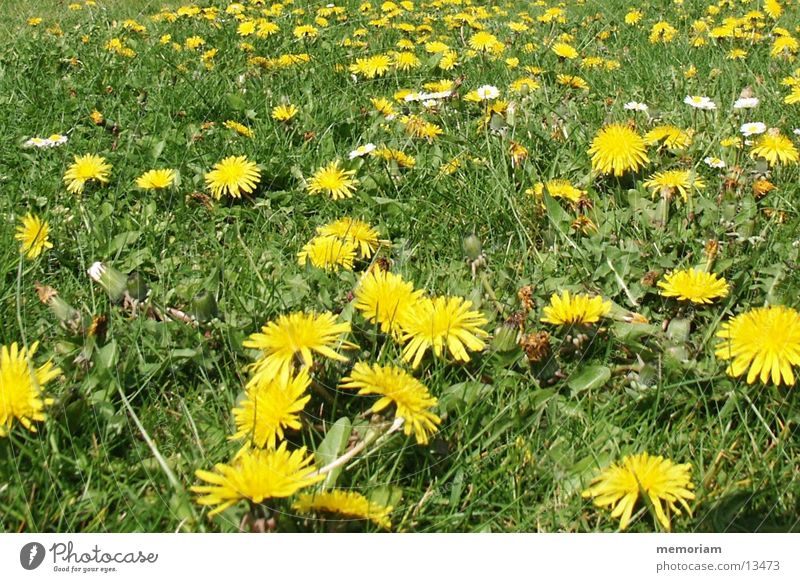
x: 31, y: 555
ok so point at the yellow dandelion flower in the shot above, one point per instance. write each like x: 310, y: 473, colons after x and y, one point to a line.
x: 329, y: 253
x: 662, y: 32
x: 256, y: 475
x: 359, y: 232
x: 662, y: 481
x: 670, y: 136
x: 85, y: 169
x: 575, y: 309
x: 350, y: 504
x: 694, y: 285
x: 559, y: 188
x: 439, y: 323
x: 775, y: 148
x: 21, y: 387
x: 405, y: 61
x: 793, y: 97
x: 292, y: 338
x: 233, y: 176
x: 420, y: 128
x: 572, y: 81
x: 284, y: 112
x: 617, y: 149
x: 156, y: 179
x: 239, y: 128
x: 669, y: 181
x: 396, y: 386
x: 33, y: 233
x: 765, y: 340
x: 385, y: 298
x: 483, y: 41
x: 564, y: 51
x: 271, y: 404
x: 333, y: 181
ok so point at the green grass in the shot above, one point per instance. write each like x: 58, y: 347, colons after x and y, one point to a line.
x: 150, y: 403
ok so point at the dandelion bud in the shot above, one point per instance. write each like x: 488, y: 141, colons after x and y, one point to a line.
x: 473, y: 247
x: 204, y: 306
x: 505, y: 338
x: 109, y: 279
x: 137, y: 288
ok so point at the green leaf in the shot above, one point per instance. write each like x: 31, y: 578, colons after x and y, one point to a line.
x: 588, y: 378
x: 331, y: 447
x: 235, y: 102
x: 106, y: 357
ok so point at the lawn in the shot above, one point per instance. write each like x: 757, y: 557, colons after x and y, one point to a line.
x: 348, y: 292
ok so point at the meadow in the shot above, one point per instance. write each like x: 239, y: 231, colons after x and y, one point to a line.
x: 415, y: 266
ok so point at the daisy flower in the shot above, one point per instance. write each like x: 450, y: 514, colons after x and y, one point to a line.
x: 699, y: 102
x: 233, y: 176
x: 713, y: 162
x: 746, y: 103
x: 765, y: 342
x: 635, y: 106
x: 362, y: 151
x: 753, y: 128
x: 488, y: 92
x: 661, y: 480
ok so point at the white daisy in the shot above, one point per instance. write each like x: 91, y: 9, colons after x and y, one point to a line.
x: 712, y: 162
x: 753, y: 128
x: 746, y: 103
x: 699, y: 102
x: 488, y: 92
x: 362, y: 151
x: 635, y: 106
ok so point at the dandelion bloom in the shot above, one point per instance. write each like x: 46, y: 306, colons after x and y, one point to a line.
x: 661, y: 480
x: 564, y: 51
x: 271, y: 404
x: 617, y: 149
x: 409, y: 395
x: 284, y: 112
x: 359, y: 232
x: 21, y: 387
x: 669, y: 181
x: 156, y: 179
x: 238, y: 128
x: 350, y: 504
x: 294, y: 337
x: 384, y: 298
x: 670, y: 136
x: 442, y: 322
x: 559, y: 188
x: 483, y: 41
x: 766, y: 340
x: 256, y: 475
x: 329, y: 253
x: 84, y: 169
x: 333, y: 181
x: 775, y: 148
x: 694, y: 285
x: 571, y: 309
x: 33, y: 234
x: 233, y: 176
